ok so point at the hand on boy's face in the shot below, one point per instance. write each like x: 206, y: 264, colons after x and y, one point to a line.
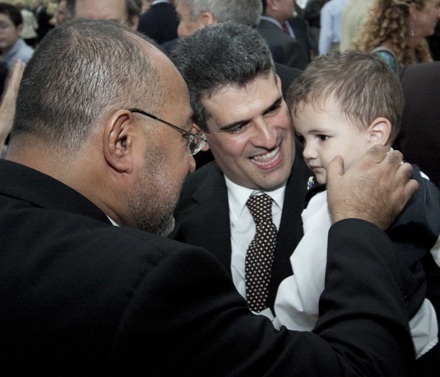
x: 376, y: 188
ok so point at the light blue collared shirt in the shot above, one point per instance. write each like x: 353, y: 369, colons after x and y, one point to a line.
x: 19, y: 51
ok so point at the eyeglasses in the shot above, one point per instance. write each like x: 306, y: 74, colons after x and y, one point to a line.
x: 195, y: 142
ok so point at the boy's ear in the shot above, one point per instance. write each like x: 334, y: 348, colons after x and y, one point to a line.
x: 379, y: 131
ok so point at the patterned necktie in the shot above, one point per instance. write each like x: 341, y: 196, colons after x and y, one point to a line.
x: 260, y: 254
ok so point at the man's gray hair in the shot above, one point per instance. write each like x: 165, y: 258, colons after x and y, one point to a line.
x: 82, y: 70
x: 245, y: 12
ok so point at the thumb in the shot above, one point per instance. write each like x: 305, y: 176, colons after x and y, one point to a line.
x: 335, y: 168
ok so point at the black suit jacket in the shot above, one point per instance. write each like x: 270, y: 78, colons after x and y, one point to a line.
x: 80, y: 297
x: 285, y: 50
x: 202, y: 217
x: 160, y: 22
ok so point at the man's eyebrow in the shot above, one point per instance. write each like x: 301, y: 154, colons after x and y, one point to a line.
x: 274, y: 105
x: 270, y: 108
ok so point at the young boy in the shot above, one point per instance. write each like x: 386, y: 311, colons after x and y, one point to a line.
x: 342, y: 105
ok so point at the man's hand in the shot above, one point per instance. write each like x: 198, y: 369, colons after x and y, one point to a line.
x: 375, y: 189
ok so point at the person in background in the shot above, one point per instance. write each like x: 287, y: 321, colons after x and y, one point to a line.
x: 60, y: 15
x: 300, y: 29
x: 90, y: 287
x: 30, y: 25
x: 330, y: 31
x: 43, y: 19
x: 160, y: 21
x: 396, y: 31
x: 312, y: 15
x: 278, y: 33
x: 353, y: 17
x: 12, y: 46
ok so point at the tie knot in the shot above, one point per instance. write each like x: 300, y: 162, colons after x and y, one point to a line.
x: 260, y: 207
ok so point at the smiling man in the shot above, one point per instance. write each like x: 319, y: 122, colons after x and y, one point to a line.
x: 238, y: 104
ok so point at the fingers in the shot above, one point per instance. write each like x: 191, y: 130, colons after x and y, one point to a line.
x: 335, y: 168
x: 395, y: 157
x: 410, y: 189
x: 410, y: 186
x: 376, y: 154
x: 375, y: 189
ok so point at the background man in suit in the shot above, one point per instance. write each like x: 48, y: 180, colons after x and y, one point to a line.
x: 83, y: 293
x: 300, y: 29
x: 125, y: 12
x: 279, y: 34
x: 43, y: 19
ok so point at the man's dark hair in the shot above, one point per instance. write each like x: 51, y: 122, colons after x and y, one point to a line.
x: 218, y: 56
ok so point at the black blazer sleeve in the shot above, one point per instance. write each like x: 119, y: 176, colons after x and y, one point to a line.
x: 186, y: 319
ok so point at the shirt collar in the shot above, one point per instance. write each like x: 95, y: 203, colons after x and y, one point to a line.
x: 273, y: 20
x: 238, y: 196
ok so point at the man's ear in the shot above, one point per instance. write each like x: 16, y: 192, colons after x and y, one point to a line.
x: 118, y: 140
x: 206, y: 19
x: 379, y: 131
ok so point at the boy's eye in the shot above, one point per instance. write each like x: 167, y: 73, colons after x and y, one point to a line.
x: 323, y: 137
x: 300, y: 139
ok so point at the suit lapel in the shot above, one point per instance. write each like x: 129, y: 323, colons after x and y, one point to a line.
x: 213, y: 220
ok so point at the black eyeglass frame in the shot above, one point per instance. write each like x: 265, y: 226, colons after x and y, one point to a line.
x: 189, y: 136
